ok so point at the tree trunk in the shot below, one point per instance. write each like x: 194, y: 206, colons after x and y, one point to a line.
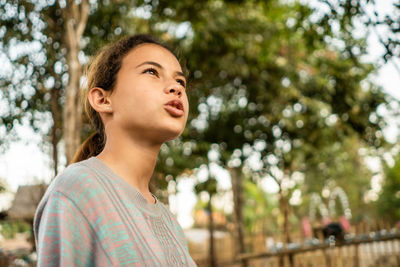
x: 284, y: 205
x: 75, y: 17
x: 213, y: 260
x: 238, y: 208
x: 56, y: 129
x: 285, y: 208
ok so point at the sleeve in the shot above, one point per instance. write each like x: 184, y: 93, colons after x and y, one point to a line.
x: 64, y: 237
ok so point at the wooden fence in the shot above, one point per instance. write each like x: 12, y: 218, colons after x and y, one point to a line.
x: 374, y: 249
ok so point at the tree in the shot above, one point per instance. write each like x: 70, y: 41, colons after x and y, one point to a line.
x: 75, y: 18
x: 44, y: 46
x: 384, y: 26
x: 258, y: 208
x: 339, y: 164
x: 210, y: 187
x: 389, y: 199
x: 270, y: 83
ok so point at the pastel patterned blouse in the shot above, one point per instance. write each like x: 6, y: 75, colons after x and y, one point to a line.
x: 89, y: 216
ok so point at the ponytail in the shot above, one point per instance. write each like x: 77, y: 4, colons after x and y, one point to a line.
x: 91, y: 147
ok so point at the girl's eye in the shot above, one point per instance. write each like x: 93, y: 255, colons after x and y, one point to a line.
x: 151, y: 71
x: 181, y: 82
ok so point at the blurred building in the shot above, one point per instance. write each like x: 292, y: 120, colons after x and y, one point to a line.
x: 25, y: 202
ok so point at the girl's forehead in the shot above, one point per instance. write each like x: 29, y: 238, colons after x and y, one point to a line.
x: 154, y: 53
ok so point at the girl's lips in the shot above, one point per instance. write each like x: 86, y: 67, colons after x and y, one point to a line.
x: 174, y: 111
x: 175, y: 108
x: 175, y: 103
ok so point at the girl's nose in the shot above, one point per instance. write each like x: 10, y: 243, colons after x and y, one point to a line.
x: 174, y: 89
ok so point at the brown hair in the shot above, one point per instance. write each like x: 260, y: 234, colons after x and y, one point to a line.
x: 102, y: 73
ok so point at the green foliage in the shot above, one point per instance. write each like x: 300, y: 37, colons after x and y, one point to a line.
x: 209, y: 186
x: 4, y: 187
x: 269, y: 80
x: 262, y: 70
x: 338, y: 164
x: 269, y: 73
x: 9, y: 228
x: 388, y: 204
x: 33, y: 47
x: 258, y: 209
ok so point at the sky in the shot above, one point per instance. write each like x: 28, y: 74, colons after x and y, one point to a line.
x: 25, y: 163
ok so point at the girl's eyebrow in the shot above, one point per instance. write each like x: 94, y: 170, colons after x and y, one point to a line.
x: 150, y: 63
x: 178, y: 73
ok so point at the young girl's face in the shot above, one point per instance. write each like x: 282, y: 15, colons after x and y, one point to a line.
x: 149, y: 100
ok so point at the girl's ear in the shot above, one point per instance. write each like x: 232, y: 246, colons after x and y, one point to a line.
x: 99, y: 99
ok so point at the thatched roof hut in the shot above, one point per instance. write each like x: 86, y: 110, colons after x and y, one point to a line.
x: 26, y: 201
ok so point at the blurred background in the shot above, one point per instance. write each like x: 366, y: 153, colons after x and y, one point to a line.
x: 291, y: 153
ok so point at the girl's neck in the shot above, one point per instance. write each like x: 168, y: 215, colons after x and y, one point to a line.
x: 133, y: 161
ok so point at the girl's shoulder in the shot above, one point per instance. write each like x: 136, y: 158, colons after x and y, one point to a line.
x: 79, y: 182
x: 76, y: 176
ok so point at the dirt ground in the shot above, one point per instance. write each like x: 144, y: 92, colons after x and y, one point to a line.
x: 19, y: 242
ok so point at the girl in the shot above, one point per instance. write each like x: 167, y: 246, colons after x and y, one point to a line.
x: 99, y: 211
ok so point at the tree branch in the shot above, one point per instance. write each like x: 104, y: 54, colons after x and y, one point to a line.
x: 84, y: 14
x: 75, y: 11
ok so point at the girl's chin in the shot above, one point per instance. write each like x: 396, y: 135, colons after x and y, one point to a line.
x: 171, y: 135
x: 174, y: 129
x: 159, y: 134
x: 156, y: 133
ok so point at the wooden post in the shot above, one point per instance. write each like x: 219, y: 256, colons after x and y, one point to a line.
x: 213, y: 259
x: 395, y: 253
x: 381, y: 257
x: 328, y: 262
x: 356, y: 256
x: 237, y: 189
x: 339, y: 259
